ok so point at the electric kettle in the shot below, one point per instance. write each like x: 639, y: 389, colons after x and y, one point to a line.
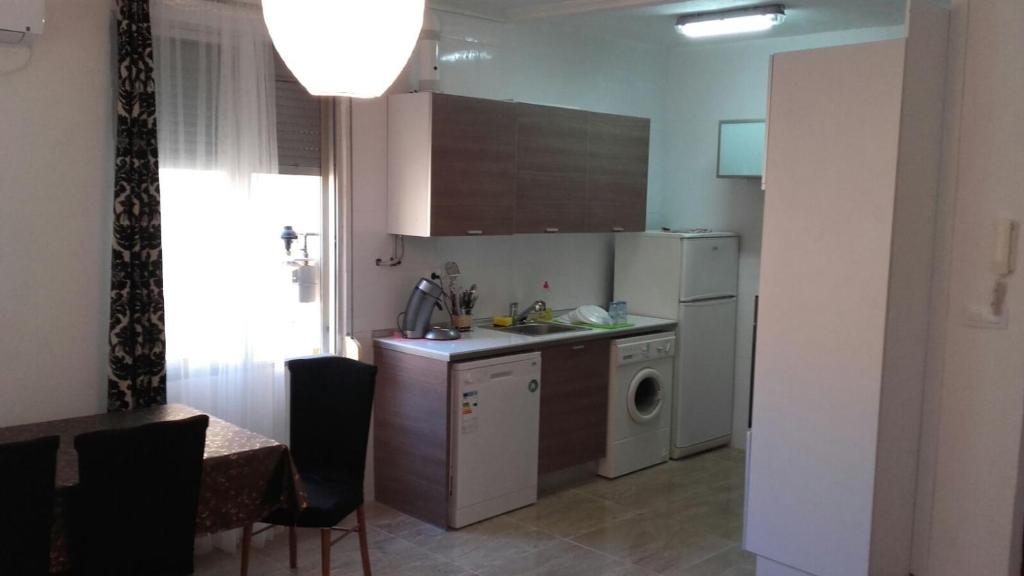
x: 415, y: 321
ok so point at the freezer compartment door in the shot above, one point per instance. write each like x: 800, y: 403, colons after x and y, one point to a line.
x: 495, y: 418
x: 710, y: 268
x: 705, y: 360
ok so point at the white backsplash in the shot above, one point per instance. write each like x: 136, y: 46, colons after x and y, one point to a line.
x: 577, y: 267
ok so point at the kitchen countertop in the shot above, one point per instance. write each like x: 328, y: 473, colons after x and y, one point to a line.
x: 484, y: 341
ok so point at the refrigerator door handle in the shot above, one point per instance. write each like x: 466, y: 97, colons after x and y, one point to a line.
x: 708, y: 299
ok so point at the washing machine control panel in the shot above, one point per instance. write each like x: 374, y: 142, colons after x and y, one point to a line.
x: 642, y: 350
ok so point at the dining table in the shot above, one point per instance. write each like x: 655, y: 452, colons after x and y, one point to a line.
x: 245, y: 475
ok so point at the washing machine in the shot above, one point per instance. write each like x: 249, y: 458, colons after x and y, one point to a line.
x: 639, y: 403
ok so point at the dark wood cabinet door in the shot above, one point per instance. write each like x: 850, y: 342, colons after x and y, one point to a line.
x: 573, y: 404
x: 551, y: 169
x: 410, y: 423
x: 472, y: 166
x: 618, y: 148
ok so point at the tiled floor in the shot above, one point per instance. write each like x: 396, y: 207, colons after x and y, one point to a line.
x: 681, y: 518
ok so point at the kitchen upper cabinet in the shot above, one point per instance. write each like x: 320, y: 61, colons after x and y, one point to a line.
x: 551, y: 169
x: 573, y: 404
x: 618, y: 148
x: 451, y: 165
x: 469, y: 166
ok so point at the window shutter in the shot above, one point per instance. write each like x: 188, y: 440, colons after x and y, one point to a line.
x: 298, y: 125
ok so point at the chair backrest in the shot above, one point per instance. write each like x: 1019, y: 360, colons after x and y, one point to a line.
x: 331, y: 403
x: 27, y: 474
x: 134, y: 509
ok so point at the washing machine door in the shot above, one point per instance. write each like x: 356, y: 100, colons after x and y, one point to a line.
x: 644, y: 398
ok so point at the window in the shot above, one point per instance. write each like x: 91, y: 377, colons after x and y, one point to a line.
x: 240, y: 160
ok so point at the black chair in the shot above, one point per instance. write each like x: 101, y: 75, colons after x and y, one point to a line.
x: 134, y: 509
x: 27, y: 471
x: 331, y: 402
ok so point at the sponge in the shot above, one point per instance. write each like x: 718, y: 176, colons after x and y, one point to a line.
x: 502, y: 320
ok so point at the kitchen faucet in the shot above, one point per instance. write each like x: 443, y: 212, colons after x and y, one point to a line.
x: 537, y: 307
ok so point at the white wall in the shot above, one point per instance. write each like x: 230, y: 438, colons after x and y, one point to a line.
x: 975, y: 500
x: 538, y: 62
x: 56, y: 165
x: 708, y: 84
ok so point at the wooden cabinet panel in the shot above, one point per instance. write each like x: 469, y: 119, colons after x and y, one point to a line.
x: 618, y: 148
x: 617, y: 145
x: 573, y: 404
x: 460, y: 165
x: 472, y: 166
x: 410, y: 423
x: 551, y: 203
x: 551, y: 140
x: 605, y: 217
x: 551, y: 169
x: 471, y: 220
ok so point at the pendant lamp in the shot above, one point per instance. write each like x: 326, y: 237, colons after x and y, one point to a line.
x: 344, y: 47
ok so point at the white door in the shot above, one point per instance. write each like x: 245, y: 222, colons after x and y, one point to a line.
x: 705, y: 357
x: 710, y: 267
x: 495, y: 430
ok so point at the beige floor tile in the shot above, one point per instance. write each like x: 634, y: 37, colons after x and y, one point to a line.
x: 569, y: 513
x: 658, y: 544
x: 681, y: 518
x: 733, y: 561
x: 562, y: 559
x: 488, y: 543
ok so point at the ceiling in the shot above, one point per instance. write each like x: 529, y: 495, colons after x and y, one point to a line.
x: 652, y: 20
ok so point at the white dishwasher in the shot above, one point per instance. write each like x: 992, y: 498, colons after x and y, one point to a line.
x: 495, y: 424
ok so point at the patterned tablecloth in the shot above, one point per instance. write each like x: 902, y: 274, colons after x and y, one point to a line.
x: 245, y: 475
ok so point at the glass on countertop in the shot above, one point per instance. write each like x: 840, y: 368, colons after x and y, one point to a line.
x: 618, y: 311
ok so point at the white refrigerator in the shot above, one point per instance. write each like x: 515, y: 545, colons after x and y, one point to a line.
x: 691, y: 278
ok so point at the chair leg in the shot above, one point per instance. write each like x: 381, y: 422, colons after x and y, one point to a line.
x: 363, y: 547
x: 246, y: 542
x: 293, y: 548
x: 325, y: 551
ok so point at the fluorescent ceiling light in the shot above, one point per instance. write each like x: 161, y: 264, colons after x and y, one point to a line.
x: 723, y: 22
x: 344, y: 47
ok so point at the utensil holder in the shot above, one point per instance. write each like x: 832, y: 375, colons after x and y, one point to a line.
x: 463, y: 322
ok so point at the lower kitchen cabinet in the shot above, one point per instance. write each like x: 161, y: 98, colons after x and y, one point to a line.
x: 414, y: 471
x: 573, y: 404
x: 410, y: 435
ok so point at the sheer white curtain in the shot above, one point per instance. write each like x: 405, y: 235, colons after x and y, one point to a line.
x: 232, y: 314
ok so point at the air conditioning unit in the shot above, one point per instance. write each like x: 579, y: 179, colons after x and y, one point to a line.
x: 20, y: 20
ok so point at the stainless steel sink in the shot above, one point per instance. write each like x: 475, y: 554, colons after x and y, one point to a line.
x: 540, y: 329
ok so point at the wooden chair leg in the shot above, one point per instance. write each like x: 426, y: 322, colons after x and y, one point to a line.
x: 325, y: 551
x: 246, y: 542
x: 293, y: 548
x: 363, y: 546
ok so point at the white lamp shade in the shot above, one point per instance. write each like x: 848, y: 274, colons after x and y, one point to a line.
x: 344, y: 47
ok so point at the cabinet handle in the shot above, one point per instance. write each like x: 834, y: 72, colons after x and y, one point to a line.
x: 618, y: 229
x: 578, y: 347
x: 550, y: 230
x: 474, y: 232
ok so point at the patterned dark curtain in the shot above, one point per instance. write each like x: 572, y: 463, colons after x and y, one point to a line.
x: 137, y: 373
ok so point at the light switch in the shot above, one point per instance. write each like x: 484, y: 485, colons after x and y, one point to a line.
x: 1005, y: 254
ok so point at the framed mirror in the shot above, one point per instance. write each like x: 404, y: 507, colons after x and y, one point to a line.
x: 741, y: 148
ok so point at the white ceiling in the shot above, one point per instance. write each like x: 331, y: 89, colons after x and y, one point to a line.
x: 652, y: 20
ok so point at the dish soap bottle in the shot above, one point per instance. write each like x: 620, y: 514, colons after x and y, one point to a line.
x: 548, y: 314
